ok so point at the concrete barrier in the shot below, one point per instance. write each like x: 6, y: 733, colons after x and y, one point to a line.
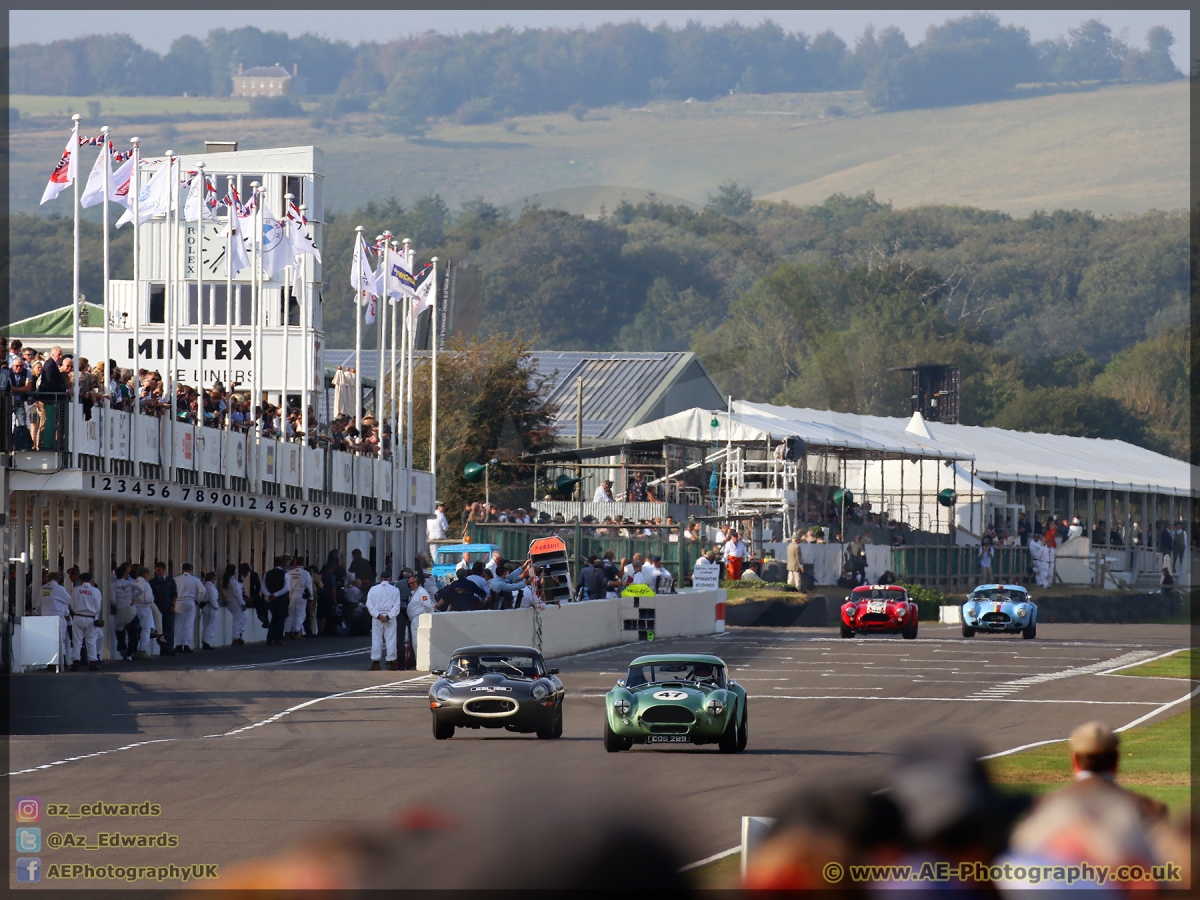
x: 572, y: 627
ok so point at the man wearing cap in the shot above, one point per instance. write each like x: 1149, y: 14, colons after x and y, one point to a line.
x: 603, y: 493
x: 795, y: 564
x: 1095, y: 752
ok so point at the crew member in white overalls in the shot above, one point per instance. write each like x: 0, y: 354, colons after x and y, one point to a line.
x: 301, y: 584
x: 384, y: 605
x: 143, y: 602
x: 86, y: 603
x: 122, y: 609
x: 56, y: 601
x: 190, y: 592
x: 210, y: 604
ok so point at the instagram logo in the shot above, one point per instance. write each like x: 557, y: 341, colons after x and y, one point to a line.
x: 29, y: 809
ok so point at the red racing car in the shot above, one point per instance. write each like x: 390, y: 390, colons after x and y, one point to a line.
x: 879, y: 609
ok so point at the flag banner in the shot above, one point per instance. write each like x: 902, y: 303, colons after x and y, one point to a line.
x: 93, y: 191
x: 63, y: 174
x: 424, y: 293
x: 372, y: 304
x: 400, y: 281
x: 362, y: 279
x: 120, y: 183
x: 91, y: 141
x: 302, y: 238
x: 276, y: 249
x: 155, y: 196
x: 236, y: 257
x: 195, y: 204
x: 298, y: 277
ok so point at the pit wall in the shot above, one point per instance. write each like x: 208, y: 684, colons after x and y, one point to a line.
x: 571, y: 628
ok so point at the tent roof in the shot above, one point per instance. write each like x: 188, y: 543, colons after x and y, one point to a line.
x: 998, y: 454
x: 57, y: 323
x: 750, y: 424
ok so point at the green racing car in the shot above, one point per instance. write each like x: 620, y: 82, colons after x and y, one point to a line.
x: 676, y: 698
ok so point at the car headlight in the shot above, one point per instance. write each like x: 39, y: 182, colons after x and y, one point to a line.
x: 621, y: 707
x: 900, y: 612
x: 1020, y: 611
x: 716, y: 706
x: 539, y: 691
x: 443, y: 693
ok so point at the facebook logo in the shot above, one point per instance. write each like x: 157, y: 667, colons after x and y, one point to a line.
x: 29, y: 840
x: 29, y: 869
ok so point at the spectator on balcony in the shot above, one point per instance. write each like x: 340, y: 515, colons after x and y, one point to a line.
x: 52, y: 380
x: 20, y: 382
x: 14, y: 351
x: 639, y: 490
x: 604, y: 493
x: 437, y: 527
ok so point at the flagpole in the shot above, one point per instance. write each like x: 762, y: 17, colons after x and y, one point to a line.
x: 408, y: 255
x: 395, y: 417
x: 433, y: 355
x: 256, y: 311
x: 135, y: 187
x: 381, y: 332
x: 200, y: 175
x: 287, y: 320
x: 169, y: 321
x: 231, y: 235
x: 358, y: 314
x: 307, y: 360
x: 400, y: 430
x: 75, y: 267
x: 106, y: 425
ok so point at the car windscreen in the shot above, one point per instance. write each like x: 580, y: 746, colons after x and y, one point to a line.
x: 694, y: 672
x: 510, y: 665
x: 876, y: 594
x: 999, y: 596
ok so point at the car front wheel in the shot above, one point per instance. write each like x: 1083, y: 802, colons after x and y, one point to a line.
x: 441, y: 730
x: 847, y: 631
x: 743, y: 734
x: 968, y: 631
x: 1030, y: 631
x: 554, y: 729
x: 613, y: 742
x: 910, y: 631
x: 728, y: 742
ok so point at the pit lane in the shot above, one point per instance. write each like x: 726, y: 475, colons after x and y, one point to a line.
x: 247, y: 752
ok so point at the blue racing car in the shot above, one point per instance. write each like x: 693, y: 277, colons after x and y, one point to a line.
x: 999, y: 609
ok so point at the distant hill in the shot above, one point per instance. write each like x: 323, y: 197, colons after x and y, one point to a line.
x: 1112, y: 150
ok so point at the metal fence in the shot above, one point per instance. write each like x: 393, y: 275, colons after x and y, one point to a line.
x: 513, y: 540
x: 957, y: 568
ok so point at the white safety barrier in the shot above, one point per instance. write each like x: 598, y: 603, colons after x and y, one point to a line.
x: 570, y: 628
x: 36, y: 644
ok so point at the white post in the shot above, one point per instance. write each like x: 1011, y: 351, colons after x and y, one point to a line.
x: 169, y: 319
x: 287, y: 318
x: 308, y: 374
x: 135, y: 188
x: 200, y: 296
x: 395, y: 417
x: 106, y: 424
x: 408, y: 464
x: 433, y: 356
x: 381, y: 331
x: 256, y: 311
x: 358, y: 314
x: 230, y: 307
x: 75, y: 275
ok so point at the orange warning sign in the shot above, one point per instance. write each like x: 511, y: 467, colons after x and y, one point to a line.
x: 547, y: 545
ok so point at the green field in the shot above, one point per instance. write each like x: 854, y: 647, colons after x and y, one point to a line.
x: 1120, y: 149
x: 1155, y: 760
x: 1177, y: 665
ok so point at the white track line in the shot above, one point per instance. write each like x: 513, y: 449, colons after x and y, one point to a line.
x: 711, y: 859
x: 59, y: 762
x: 307, y: 703
x: 1162, y: 708
x: 286, y: 662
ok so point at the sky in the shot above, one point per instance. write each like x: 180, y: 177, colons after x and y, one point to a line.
x: 155, y: 29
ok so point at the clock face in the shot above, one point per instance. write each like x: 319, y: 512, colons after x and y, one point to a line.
x: 212, y: 251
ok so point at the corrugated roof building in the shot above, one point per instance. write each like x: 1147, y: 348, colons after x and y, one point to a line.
x: 620, y: 390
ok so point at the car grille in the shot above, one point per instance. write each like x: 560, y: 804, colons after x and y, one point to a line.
x: 667, y: 729
x: 869, y: 618
x: 491, y: 706
x: 664, y: 714
x: 997, y: 618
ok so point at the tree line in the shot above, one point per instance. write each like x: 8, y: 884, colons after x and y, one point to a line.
x: 482, y: 76
x: 1060, y: 321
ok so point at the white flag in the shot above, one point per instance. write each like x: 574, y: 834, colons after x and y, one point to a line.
x: 93, y: 191
x: 362, y: 279
x: 195, y: 204
x: 155, y: 196
x: 276, y: 249
x: 298, y: 276
x: 400, y: 281
x: 425, y: 295
x: 302, y: 239
x: 236, y: 257
x: 121, y: 183
x: 64, y: 173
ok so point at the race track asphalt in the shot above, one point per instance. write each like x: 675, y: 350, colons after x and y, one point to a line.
x: 249, y: 750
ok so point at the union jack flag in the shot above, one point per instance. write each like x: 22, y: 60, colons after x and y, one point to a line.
x: 96, y: 141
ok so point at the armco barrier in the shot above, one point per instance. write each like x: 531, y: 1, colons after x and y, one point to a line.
x: 570, y: 628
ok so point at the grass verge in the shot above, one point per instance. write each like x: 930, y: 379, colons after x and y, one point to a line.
x: 1155, y: 760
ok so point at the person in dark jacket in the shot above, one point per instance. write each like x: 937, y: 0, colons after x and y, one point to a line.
x: 277, y: 584
x: 165, y: 592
